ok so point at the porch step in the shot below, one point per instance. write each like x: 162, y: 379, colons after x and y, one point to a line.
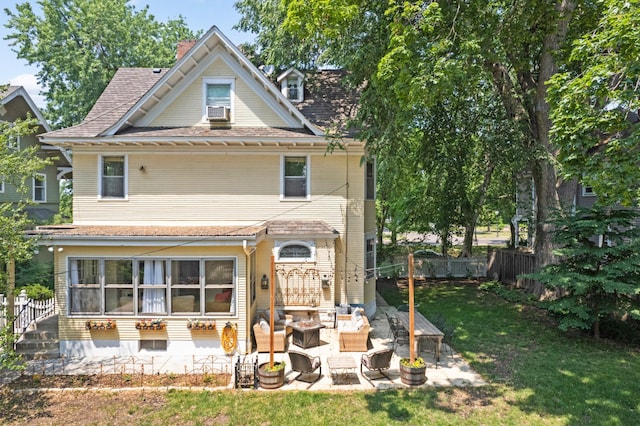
x: 41, y: 342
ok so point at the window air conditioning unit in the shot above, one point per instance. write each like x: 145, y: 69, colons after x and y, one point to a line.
x: 217, y: 113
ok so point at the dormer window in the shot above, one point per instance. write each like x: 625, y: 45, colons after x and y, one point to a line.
x: 291, y: 85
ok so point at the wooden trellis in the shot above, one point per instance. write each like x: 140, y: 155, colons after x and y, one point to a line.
x: 298, y: 287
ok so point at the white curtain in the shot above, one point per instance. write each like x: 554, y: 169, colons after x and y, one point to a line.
x: 153, y: 299
x: 233, y: 303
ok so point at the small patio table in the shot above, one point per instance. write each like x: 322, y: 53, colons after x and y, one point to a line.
x: 422, y: 329
x: 306, y: 334
x: 341, y: 366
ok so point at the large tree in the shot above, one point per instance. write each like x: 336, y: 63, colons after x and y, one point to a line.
x: 596, y: 102
x: 79, y: 44
x: 517, y: 45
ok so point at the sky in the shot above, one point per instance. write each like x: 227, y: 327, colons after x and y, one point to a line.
x: 198, y: 14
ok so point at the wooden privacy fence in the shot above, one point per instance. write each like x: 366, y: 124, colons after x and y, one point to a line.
x: 507, y: 266
x: 26, y: 311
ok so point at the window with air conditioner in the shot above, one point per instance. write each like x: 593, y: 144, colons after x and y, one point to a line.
x: 218, y: 99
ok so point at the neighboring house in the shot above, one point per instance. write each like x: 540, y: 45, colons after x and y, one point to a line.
x: 188, y: 181
x: 524, y: 220
x: 16, y: 104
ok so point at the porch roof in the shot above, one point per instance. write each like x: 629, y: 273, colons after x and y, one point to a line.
x: 191, y: 235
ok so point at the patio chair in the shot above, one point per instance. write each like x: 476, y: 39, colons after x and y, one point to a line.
x: 379, y: 360
x: 397, y: 332
x: 304, y: 364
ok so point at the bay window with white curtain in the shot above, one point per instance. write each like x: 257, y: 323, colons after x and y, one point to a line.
x: 152, y: 287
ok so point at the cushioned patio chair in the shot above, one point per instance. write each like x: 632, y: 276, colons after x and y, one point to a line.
x: 379, y: 360
x: 304, y: 364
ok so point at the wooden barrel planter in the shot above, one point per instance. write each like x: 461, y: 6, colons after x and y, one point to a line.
x: 413, y: 376
x: 270, y: 379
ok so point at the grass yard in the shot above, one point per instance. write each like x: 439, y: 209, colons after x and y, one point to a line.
x: 539, y: 375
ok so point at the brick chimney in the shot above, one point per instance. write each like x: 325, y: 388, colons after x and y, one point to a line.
x: 183, y: 48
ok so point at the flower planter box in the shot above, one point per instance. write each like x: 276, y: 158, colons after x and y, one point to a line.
x: 208, y: 326
x: 142, y: 325
x: 100, y: 325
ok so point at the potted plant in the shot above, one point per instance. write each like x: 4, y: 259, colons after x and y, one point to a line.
x: 271, y: 377
x: 413, y: 373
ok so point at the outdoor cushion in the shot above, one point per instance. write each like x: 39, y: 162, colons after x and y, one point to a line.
x: 264, y: 325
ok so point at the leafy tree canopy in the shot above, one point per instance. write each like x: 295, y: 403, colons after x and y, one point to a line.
x: 79, y: 44
x: 596, y: 101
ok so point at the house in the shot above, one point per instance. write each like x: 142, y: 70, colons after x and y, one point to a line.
x: 197, y: 189
x: 16, y: 104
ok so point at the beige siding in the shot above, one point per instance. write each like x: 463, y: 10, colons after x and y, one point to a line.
x: 250, y: 110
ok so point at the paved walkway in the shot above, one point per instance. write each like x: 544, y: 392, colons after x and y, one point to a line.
x: 451, y: 370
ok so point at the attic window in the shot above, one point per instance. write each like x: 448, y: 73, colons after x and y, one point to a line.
x: 291, y: 85
x: 217, y: 99
x: 292, y: 88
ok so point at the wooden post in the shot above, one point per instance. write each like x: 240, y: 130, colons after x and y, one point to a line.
x: 412, y: 338
x: 11, y: 286
x: 272, y: 305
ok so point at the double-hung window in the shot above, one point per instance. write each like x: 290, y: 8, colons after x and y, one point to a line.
x: 371, y: 180
x: 185, y: 286
x: 84, y: 286
x: 295, y: 177
x: 370, y: 253
x: 218, y: 98
x: 118, y: 286
x: 219, y: 289
x: 113, y: 176
x: 39, y: 186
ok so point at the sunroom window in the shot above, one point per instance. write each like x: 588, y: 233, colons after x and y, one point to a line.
x: 152, y: 287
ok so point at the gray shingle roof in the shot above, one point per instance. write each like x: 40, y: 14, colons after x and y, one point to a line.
x: 125, y: 89
x: 328, y: 102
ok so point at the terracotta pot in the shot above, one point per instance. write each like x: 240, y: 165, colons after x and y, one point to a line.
x: 270, y: 379
x: 413, y: 376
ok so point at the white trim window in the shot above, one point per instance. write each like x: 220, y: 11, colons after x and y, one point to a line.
x: 13, y: 142
x: 39, y: 188
x: 295, y: 178
x: 113, y: 177
x: 370, y: 256
x: 370, y: 179
x: 152, y: 286
x: 295, y: 251
x: 587, y: 191
x: 218, y: 92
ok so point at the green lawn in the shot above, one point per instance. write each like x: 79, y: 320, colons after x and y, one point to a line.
x: 538, y: 375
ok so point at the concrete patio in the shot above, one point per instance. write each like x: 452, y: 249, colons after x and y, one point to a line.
x: 451, y: 370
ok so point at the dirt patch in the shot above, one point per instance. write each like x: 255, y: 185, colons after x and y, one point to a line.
x: 44, y: 381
